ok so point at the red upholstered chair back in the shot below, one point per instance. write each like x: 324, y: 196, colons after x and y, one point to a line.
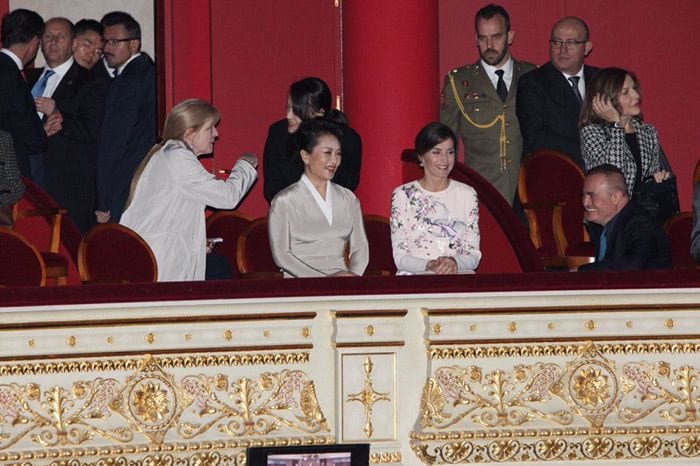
x: 112, y: 253
x: 228, y: 224
x: 22, y: 264
x: 254, y: 255
x: 678, y: 230
x: 547, y: 177
x: 505, y: 245
x: 381, y: 259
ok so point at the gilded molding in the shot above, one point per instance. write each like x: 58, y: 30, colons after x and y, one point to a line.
x: 368, y: 397
x: 595, y: 448
x: 116, y: 455
x: 568, y: 349
x: 587, y: 408
x: 590, y: 387
x: 170, y: 362
x: 386, y: 457
x: 153, y: 403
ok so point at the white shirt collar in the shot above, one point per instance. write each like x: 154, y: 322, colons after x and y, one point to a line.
x: 581, y: 81
x: 120, y: 70
x: 326, y: 205
x: 14, y: 57
x: 507, y: 72
x: 59, y: 72
x: 579, y: 74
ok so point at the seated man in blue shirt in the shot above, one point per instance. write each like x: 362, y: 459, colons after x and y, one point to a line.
x: 631, y: 239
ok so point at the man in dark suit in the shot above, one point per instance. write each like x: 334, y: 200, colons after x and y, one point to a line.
x: 129, y: 125
x: 71, y: 105
x: 550, y: 97
x: 21, y: 36
x: 631, y: 239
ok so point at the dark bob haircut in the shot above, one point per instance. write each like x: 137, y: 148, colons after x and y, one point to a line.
x: 431, y: 135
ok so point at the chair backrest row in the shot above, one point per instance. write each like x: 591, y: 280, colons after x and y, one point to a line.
x: 113, y: 253
x: 22, y: 264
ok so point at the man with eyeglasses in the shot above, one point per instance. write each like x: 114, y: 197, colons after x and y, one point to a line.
x: 70, y: 103
x: 478, y: 103
x: 550, y: 97
x: 21, y: 37
x: 129, y: 125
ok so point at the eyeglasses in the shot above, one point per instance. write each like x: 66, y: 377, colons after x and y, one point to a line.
x: 115, y: 42
x: 568, y: 44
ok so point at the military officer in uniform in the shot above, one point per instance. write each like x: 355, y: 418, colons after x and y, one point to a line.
x: 478, y: 103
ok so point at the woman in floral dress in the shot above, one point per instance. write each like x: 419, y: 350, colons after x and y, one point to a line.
x: 435, y: 220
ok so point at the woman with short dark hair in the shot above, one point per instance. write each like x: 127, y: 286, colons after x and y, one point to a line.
x: 307, y: 99
x: 435, y: 220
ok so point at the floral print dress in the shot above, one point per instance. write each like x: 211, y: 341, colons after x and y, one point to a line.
x: 426, y: 225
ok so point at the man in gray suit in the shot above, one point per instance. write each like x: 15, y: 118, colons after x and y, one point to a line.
x: 478, y: 103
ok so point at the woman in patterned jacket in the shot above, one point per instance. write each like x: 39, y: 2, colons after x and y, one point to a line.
x: 612, y: 130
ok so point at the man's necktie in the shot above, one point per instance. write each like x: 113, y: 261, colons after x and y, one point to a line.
x: 574, y: 86
x: 40, y: 86
x: 115, y: 73
x: 603, y: 246
x: 501, y: 88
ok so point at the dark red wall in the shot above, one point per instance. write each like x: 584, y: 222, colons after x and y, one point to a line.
x: 258, y: 49
x: 653, y: 38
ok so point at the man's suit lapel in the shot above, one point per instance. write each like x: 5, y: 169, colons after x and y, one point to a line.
x: 67, y: 82
x: 561, y: 89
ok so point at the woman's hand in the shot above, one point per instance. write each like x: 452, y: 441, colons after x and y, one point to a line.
x: 250, y: 158
x: 662, y: 175
x: 605, y: 109
x: 443, y: 265
x: 103, y: 216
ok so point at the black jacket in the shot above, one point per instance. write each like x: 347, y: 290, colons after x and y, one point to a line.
x: 635, y: 242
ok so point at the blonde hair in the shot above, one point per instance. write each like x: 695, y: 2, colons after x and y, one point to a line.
x: 190, y: 114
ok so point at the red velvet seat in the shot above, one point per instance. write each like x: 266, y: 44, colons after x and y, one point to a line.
x: 678, y: 229
x: 228, y: 225
x: 550, y: 186
x: 254, y: 255
x: 112, y: 253
x: 22, y: 264
x: 505, y: 246
x: 381, y: 259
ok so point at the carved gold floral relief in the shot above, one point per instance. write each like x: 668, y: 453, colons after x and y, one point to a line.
x: 57, y: 416
x: 153, y: 403
x: 253, y: 408
x: 464, y: 409
x: 655, y: 387
x: 490, y: 399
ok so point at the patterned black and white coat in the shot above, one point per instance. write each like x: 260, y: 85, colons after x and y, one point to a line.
x: 11, y: 186
x: 605, y: 143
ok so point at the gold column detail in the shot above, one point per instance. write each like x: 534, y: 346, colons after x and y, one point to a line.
x: 368, y: 397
